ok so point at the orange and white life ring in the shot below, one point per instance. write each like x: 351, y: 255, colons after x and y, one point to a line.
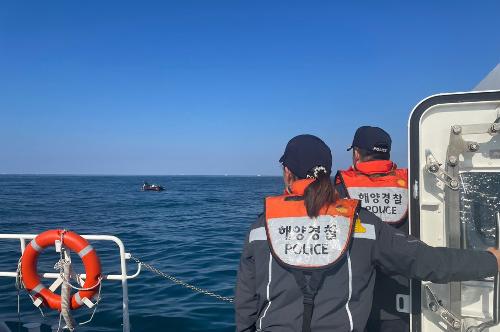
x: 74, y: 242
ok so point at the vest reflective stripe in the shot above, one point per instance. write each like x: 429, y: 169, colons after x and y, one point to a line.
x: 302, y: 242
x: 257, y: 234
x: 367, y: 233
x: 386, y: 196
x: 349, y: 314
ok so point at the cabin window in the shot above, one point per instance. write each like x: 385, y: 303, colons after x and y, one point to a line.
x: 479, y: 203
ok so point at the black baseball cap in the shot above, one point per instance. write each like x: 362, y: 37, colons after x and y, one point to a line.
x: 304, y: 152
x: 373, y: 139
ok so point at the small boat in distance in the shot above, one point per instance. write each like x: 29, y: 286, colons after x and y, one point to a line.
x: 151, y: 187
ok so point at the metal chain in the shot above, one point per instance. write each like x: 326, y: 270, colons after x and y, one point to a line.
x: 182, y: 283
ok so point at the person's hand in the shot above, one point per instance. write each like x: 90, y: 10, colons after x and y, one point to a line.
x: 496, y: 252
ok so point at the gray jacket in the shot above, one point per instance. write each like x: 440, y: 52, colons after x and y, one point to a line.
x: 387, y: 286
x: 268, y: 298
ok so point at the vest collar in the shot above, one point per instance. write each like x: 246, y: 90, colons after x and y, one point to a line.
x: 375, y: 167
x: 298, y: 187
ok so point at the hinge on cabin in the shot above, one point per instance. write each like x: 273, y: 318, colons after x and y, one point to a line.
x: 434, y: 167
x: 435, y: 305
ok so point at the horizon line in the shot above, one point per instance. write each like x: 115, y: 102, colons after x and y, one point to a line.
x: 104, y: 174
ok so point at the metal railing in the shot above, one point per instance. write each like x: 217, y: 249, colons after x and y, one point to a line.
x: 124, y: 256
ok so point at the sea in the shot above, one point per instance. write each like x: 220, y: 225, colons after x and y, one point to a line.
x: 194, y: 231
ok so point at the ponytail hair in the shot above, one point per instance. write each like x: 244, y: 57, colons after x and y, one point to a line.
x: 320, y: 192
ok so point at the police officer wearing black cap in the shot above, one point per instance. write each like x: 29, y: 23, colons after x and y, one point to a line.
x: 382, y: 188
x: 308, y: 261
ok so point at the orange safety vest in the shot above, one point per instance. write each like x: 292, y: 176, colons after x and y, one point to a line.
x: 298, y: 241
x: 385, y: 194
x: 301, y: 243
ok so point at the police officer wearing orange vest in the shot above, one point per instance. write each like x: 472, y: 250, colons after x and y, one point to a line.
x: 382, y: 188
x: 308, y: 261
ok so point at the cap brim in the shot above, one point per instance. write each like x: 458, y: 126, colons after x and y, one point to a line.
x: 349, y: 148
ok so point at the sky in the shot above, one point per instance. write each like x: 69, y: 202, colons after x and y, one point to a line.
x: 219, y: 87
